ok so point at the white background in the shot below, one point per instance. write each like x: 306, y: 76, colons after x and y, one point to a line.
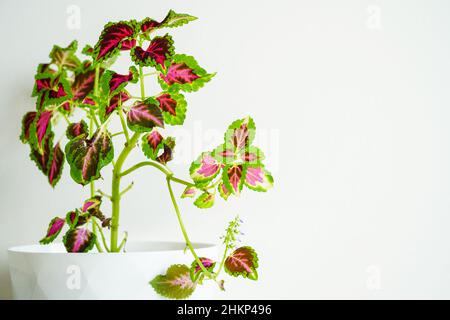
x: 352, y: 101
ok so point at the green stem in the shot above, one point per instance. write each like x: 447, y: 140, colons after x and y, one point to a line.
x: 127, y: 189
x: 141, y: 82
x: 161, y: 168
x: 115, y: 190
x: 183, y: 230
x: 102, y: 236
x: 147, y: 163
x: 117, y: 134
x: 124, y: 125
x: 91, y: 132
x: 223, y: 258
x: 124, y: 240
x: 97, y: 244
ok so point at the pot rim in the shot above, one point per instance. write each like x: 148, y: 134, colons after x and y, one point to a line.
x: 133, y: 247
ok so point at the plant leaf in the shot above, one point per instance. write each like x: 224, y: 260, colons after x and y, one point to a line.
x: 145, y: 115
x: 223, y: 190
x: 173, y: 106
x: 79, y: 240
x: 54, y: 228
x: 157, y: 53
x: 171, y: 20
x: 189, y: 192
x: 233, y: 178
x: 65, y: 57
x: 41, y: 157
x: 167, y: 155
x: 242, y: 262
x: 204, y: 169
x: 113, y: 36
x: 76, y: 129
x: 205, y: 200
x: 175, y: 284
x: 55, y: 166
x: 152, y: 143
x: 183, y: 73
x: 258, y: 178
x: 112, y: 82
x: 83, y: 84
x: 107, y: 109
x: 40, y: 129
x: 27, y: 120
x: 240, y: 134
x: 196, y: 271
x: 92, y: 204
x: 87, y: 157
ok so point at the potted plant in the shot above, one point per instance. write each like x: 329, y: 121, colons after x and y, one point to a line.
x: 93, y: 251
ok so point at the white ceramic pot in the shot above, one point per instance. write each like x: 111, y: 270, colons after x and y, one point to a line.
x: 49, y: 272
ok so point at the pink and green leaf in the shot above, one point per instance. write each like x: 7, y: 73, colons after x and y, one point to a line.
x: 27, y: 121
x: 242, y: 262
x: 83, y: 85
x: 112, y: 82
x: 107, y: 108
x: 196, y: 272
x: 112, y: 39
x: 175, y: 284
x: 40, y: 129
x: 251, y: 155
x: 171, y: 20
x: 157, y: 53
x: 92, y: 203
x: 240, y: 134
x: 223, y: 191
x: 55, y: 166
x: 258, y: 178
x: 72, y: 218
x: 152, y: 143
x: 76, y: 129
x: 79, y: 240
x: 204, y: 169
x: 167, y: 155
x: 145, y: 115
x: 87, y: 156
x: 183, y: 73
x: 173, y: 106
x: 65, y: 58
x: 189, y: 192
x: 233, y: 178
x: 41, y: 157
x: 53, y: 230
x: 205, y: 200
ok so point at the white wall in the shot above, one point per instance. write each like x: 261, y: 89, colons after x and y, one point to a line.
x: 350, y: 97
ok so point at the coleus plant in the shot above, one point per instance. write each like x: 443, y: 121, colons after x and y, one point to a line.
x: 67, y: 86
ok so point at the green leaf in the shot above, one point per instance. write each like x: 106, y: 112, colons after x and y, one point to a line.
x: 87, y: 156
x: 183, y: 73
x: 79, y: 240
x: 174, y: 19
x: 205, y: 200
x: 173, y: 106
x: 257, y: 178
x: 242, y: 262
x: 152, y: 143
x: 143, y: 116
x: 54, y: 229
x: 189, y: 192
x: 204, y: 169
x: 65, y: 57
x: 223, y: 191
x: 175, y: 284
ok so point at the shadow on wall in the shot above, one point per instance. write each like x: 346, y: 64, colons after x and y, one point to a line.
x: 5, y: 284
